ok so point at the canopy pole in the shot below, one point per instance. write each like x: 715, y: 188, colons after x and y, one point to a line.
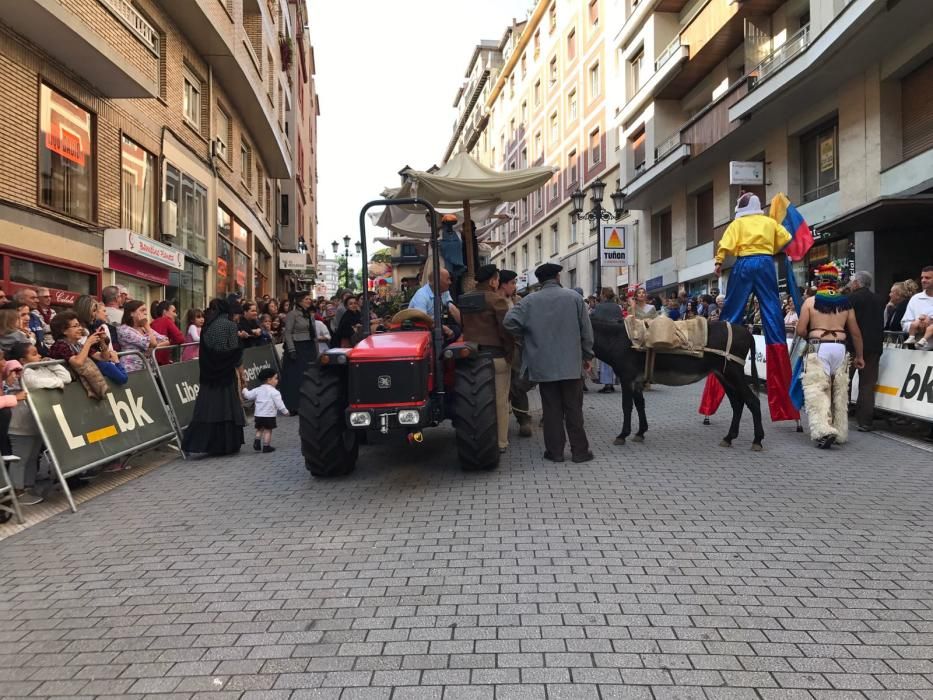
x: 469, y: 280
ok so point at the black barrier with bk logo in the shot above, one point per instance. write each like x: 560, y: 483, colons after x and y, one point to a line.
x: 81, y: 432
x: 181, y: 381
x: 257, y: 359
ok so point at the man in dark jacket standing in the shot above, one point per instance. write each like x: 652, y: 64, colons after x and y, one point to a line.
x: 483, y: 312
x: 869, y: 314
x: 558, y: 346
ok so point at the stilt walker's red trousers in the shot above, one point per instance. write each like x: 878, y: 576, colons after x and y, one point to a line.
x: 755, y: 274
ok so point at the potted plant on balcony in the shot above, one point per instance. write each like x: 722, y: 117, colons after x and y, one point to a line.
x: 287, y: 51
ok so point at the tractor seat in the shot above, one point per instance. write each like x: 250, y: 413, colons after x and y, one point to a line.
x: 412, y: 318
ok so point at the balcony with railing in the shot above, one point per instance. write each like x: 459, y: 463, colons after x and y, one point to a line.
x: 713, y: 31
x: 108, y: 42
x: 781, y: 55
x: 711, y: 124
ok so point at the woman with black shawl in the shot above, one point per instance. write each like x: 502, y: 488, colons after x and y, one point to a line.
x: 350, y: 324
x: 217, y: 426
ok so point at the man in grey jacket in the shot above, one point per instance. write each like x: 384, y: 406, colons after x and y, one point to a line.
x: 558, y: 346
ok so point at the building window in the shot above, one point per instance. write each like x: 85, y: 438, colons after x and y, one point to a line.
x: 572, y: 105
x: 596, y: 148
x: 661, y: 236
x: 139, y: 193
x: 192, y: 100
x: 572, y: 278
x: 190, y: 198
x: 573, y: 230
x: 514, y: 260
x: 555, y: 240
x: 539, y: 147
x: 511, y: 86
x: 572, y: 45
x: 523, y: 158
x: 703, y: 219
x: 537, y: 93
x: 260, y: 178
x: 268, y: 197
x: 555, y: 187
x: 572, y: 167
x: 819, y: 157
x: 636, y: 66
x: 552, y: 17
x: 917, y: 111
x: 233, y: 259
x: 555, y: 130
x: 512, y: 131
x: 524, y: 63
x: 594, y: 81
x: 638, y: 150
x: 524, y: 114
x: 537, y: 44
x: 552, y: 71
x: 594, y: 12
x: 246, y: 164
x: 224, y: 134
x: 525, y: 257
x: 66, y: 155
x: 539, y: 250
x: 539, y: 199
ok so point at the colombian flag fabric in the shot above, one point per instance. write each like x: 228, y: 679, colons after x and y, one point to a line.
x: 801, y: 236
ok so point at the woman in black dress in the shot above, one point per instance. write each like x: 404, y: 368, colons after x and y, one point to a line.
x: 300, y: 350
x: 350, y: 324
x: 217, y: 426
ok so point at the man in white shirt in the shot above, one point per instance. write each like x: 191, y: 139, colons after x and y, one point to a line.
x: 918, y: 317
x: 111, y: 297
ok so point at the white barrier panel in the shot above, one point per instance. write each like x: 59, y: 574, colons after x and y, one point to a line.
x: 905, y: 380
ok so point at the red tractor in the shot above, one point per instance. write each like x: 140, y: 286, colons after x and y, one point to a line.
x: 401, y: 380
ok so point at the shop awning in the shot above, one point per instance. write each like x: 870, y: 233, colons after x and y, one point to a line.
x: 884, y: 214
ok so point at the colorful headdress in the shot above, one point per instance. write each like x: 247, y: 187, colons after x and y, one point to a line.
x: 828, y: 298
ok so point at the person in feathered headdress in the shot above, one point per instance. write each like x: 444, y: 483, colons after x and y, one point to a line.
x: 825, y: 319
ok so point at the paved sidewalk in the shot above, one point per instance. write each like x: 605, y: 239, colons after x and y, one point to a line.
x: 672, y: 569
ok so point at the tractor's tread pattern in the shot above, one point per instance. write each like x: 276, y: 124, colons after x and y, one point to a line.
x: 475, y: 414
x: 322, y: 423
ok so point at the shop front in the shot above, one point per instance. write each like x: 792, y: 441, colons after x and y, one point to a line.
x: 65, y: 280
x: 141, y: 264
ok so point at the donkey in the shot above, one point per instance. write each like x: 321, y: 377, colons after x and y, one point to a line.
x: 613, y: 346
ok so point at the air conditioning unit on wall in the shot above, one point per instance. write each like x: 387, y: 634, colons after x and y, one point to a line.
x: 169, y: 219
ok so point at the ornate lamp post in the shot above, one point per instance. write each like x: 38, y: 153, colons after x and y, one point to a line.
x: 346, y: 257
x: 597, y: 215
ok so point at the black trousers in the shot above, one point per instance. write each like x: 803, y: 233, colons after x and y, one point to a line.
x: 6, y: 415
x: 562, y: 403
x: 867, y: 379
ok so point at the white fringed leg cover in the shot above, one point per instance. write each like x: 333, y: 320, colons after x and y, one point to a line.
x: 841, y: 402
x: 816, y: 394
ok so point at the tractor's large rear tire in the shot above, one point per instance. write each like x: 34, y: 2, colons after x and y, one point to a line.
x: 475, y: 414
x: 329, y: 446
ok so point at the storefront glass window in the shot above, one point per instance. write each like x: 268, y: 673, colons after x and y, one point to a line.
x: 233, y: 258
x: 187, y: 289
x: 224, y: 265
x: 66, y: 155
x: 190, y: 197
x: 41, y: 275
x: 139, y: 176
x: 136, y: 288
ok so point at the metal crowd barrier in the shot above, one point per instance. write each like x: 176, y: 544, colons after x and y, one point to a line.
x: 82, y: 433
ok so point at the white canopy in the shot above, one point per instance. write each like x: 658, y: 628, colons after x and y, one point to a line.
x: 463, y: 179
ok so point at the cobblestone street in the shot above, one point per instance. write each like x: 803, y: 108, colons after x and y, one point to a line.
x: 672, y: 569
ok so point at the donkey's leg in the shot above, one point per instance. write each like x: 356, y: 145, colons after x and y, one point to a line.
x: 627, y: 392
x: 748, y: 397
x: 639, y: 398
x: 736, y: 402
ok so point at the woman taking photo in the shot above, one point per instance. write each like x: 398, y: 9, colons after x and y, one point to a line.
x: 135, y: 334
x: 217, y: 426
x: 11, y: 329
x: 300, y: 350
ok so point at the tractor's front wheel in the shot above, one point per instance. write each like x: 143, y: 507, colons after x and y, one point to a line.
x: 329, y: 447
x: 475, y: 414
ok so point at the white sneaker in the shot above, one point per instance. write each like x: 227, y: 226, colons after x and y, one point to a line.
x: 10, y: 458
x: 909, y: 342
x: 922, y: 344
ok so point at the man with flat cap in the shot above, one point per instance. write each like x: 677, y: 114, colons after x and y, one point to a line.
x: 554, y: 326
x: 482, y: 312
x: 520, y: 386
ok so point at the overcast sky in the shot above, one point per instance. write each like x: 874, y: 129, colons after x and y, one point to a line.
x: 387, y: 74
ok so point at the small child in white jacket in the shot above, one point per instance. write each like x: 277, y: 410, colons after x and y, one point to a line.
x: 268, y: 404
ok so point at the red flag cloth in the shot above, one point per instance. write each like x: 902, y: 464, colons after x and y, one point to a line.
x: 712, y: 396
x: 777, y: 361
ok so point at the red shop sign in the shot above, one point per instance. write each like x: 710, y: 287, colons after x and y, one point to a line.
x: 60, y: 297
x: 136, y: 267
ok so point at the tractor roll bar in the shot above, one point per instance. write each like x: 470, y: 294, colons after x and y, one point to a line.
x: 435, y: 278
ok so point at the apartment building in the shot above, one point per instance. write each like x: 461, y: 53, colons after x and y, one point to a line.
x: 544, y: 102
x: 825, y: 100
x: 298, y: 196
x: 327, y: 276
x: 141, y: 144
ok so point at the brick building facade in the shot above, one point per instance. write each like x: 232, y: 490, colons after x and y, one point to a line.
x: 144, y: 144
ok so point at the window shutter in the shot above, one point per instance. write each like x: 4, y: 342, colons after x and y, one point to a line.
x: 917, y: 110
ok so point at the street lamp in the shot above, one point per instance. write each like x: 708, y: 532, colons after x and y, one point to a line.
x: 346, y: 256
x: 597, y: 215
